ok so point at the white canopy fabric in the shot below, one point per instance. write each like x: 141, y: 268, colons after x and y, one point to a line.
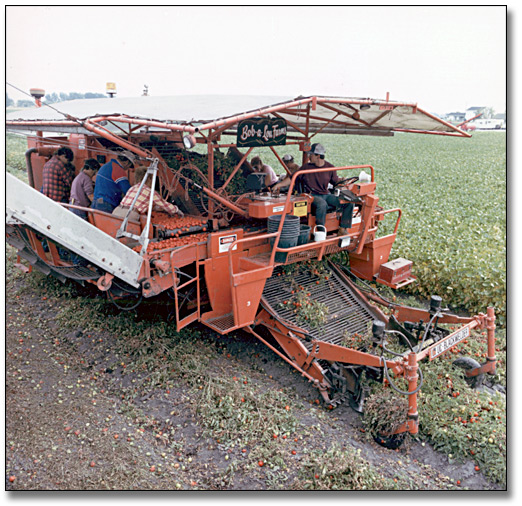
x: 177, y: 109
x: 326, y: 114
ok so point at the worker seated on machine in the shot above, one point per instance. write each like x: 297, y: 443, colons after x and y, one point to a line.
x: 292, y: 167
x: 262, y: 168
x: 317, y: 185
x: 142, y: 203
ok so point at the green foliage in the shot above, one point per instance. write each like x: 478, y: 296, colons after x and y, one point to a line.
x: 340, y: 469
x: 462, y: 422
x: 384, y: 412
x: 52, y: 98
x: 24, y: 103
x: 452, y: 193
x: 236, y: 412
x: 194, y: 166
x: 16, y: 146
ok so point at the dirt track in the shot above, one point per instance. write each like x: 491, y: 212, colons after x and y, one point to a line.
x: 72, y: 423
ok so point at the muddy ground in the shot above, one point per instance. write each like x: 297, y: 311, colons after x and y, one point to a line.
x: 72, y: 425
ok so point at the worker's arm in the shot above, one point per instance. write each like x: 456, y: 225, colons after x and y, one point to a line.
x: 162, y: 205
x: 88, y: 189
x: 123, y: 184
x: 282, y: 184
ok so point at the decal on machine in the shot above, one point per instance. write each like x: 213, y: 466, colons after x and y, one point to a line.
x: 226, y: 241
x: 300, y: 208
x: 447, y: 343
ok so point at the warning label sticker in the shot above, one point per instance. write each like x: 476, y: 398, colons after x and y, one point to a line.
x: 300, y: 208
x: 226, y: 241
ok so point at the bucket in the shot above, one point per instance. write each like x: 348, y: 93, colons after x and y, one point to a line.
x: 319, y: 233
x: 291, y: 224
x: 304, y: 235
x: 280, y: 256
x: 289, y: 233
x: 364, y: 177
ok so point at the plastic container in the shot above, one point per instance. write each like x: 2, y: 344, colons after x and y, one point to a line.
x: 304, y: 235
x: 289, y: 233
x: 364, y: 177
x: 319, y: 233
x: 291, y: 224
x: 280, y: 256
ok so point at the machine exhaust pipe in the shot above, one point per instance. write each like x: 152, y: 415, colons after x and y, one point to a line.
x: 29, y: 165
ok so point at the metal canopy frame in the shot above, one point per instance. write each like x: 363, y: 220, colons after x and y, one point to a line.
x: 305, y: 117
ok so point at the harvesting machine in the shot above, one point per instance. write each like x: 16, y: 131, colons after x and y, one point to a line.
x: 225, y: 263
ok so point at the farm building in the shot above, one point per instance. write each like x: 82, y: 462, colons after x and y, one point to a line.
x: 471, y: 112
x: 456, y: 117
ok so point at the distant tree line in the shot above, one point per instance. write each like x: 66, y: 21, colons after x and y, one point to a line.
x: 52, y: 98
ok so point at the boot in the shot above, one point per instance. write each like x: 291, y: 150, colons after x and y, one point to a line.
x: 342, y: 231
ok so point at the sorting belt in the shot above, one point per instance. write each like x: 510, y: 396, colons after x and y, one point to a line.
x: 347, y: 314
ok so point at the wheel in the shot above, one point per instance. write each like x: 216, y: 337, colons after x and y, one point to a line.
x: 467, y: 363
x: 391, y: 442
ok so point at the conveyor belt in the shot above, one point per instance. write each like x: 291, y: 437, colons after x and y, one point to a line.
x: 16, y: 238
x: 25, y: 205
x: 347, y: 314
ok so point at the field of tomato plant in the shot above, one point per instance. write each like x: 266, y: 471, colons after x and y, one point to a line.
x: 452, y: 192
x: 124, y: 401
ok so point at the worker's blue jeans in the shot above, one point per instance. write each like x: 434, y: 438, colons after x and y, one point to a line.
x: 79, y: 212
x: 102, y: 205
x: 320, y: 208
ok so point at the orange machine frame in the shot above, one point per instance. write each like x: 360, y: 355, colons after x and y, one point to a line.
x: 233, y: 263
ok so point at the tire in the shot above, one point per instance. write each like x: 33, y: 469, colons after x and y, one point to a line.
x: 391, y: 442
x: 467, y: 363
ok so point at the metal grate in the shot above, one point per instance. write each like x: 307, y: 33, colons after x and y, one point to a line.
x: 76, y: 272
x: 222, y: 323
x: 347, y: 315
x: 310, y: 254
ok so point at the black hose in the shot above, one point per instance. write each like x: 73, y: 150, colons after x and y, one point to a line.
x: 29, y: 165
x: 393, y: 352
x: 386, y: 373
x: 436, y: 315
x: 385, y: 366
x: 123, y: 308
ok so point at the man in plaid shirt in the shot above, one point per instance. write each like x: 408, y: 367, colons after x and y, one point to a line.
x: 57, y: 176
x: 142, y: 202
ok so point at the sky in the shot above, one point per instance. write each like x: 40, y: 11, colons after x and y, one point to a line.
x: 445, y: 59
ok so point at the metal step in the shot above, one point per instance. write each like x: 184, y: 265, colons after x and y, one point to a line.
x: 347, y: 314
x: 222, y: 324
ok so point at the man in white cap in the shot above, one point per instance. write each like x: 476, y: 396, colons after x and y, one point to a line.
x: 290, y: 164
x: 317, y: 185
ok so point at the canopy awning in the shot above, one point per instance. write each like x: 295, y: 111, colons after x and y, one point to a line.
x: 193, y: 113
